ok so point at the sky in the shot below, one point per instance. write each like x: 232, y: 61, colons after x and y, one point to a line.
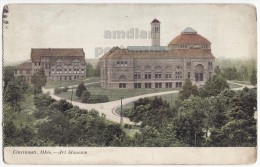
x: 231, y: 29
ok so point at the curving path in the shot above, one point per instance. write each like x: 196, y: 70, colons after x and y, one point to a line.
x: 108, y: 108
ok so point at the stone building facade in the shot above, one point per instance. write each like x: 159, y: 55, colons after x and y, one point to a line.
x: 186, y: 56
x: 58, y: 64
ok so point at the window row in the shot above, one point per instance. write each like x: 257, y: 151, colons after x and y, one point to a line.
x: 121, y: 63
x: 75, y: 71
x: 156, y: 85
x: 157, y: 75
x: 66, y: 78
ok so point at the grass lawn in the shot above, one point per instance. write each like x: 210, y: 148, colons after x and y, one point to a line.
x: 55, y: 84
x: 170, y: 98
x: 112, y: 94
x: 242, y: 82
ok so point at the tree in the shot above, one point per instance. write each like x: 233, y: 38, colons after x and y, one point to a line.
x: 80, y: 89
x: 190, y: 122
x: 240, y: 127
x: 188, y: 89
x: 253, y: 78
x: 217, y: 70
x: 214, y: 86
x: 97, y: 70
x: 8, y: 75
x: 85, y: 96
x: 38, y: 80
x: 13, y: 95
x: 112, y: 132
x: 151, y: 112
x: 89, y: 70
x: 230, y: 73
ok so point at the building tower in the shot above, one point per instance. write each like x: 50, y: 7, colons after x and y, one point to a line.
x: 155, y: 32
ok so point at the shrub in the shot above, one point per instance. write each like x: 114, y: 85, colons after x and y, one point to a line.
x: 80, y: 89
x: 65, y: 89
x: 85, y: 96
x: 126, y: 126
x: 57, y: 90
x: 98, y: 99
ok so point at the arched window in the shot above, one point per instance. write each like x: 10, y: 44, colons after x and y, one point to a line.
x: 199, y: 71
x: 76, y: 69
x: 122, y: 78
x: 59, y: 69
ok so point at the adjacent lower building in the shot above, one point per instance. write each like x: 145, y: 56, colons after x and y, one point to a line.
x: 186, y: 56
x: 58, y: 64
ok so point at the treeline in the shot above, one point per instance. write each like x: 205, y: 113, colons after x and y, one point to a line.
x: 233, y: 69
x: 92, y: 71
x: 213, y: 115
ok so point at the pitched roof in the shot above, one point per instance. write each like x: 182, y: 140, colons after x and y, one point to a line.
x: 155, y: 21
x: 192, y: 53
x: 36, y: 54
x: 25, y: 66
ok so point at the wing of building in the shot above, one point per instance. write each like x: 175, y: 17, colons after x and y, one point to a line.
x: 186, y: 56
x: 58, y: 64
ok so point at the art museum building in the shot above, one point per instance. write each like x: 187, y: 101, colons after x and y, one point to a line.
x: 186, y: 56
x: 58, y: 64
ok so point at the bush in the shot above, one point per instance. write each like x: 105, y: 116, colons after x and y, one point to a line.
x: 98, y: 99
x: 126, y: 126
x: 80, y: 89
x: 60, y: 90
x: 65, y: 89
x: 85, y: 96
x: 57, y: 90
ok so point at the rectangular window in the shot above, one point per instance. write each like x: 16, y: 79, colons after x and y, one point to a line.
x: 15, y: 71
x: 27, y: 71
x: 65, y: 78
x: 137, y: 75
x: 168, y: 75
x: 178, y: 74
x: 75, y: 77
x: 188, y: 63
x: 188, y: 74
x: 122, y: 85
x: 147, y: 75
x: 158, y: 85
x: 118, y: 63
x: 178, y: 84
x: 158, y: 75
x: 168, y: 85
x: 69, y: 70
x: 82, y: 70
x: 137, y: 85
x: 148, y: 85
x: 65, y: 70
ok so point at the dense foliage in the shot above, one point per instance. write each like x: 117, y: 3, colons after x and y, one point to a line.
x: 80, y: 89
x: 39, y: 79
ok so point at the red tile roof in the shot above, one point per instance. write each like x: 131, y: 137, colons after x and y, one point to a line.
x: 189, y: 39
x: 25, y: 66
x: 193, y: 53
x: 36, y: 54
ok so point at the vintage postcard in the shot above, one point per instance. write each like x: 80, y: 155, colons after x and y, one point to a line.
x: 129, y: 83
